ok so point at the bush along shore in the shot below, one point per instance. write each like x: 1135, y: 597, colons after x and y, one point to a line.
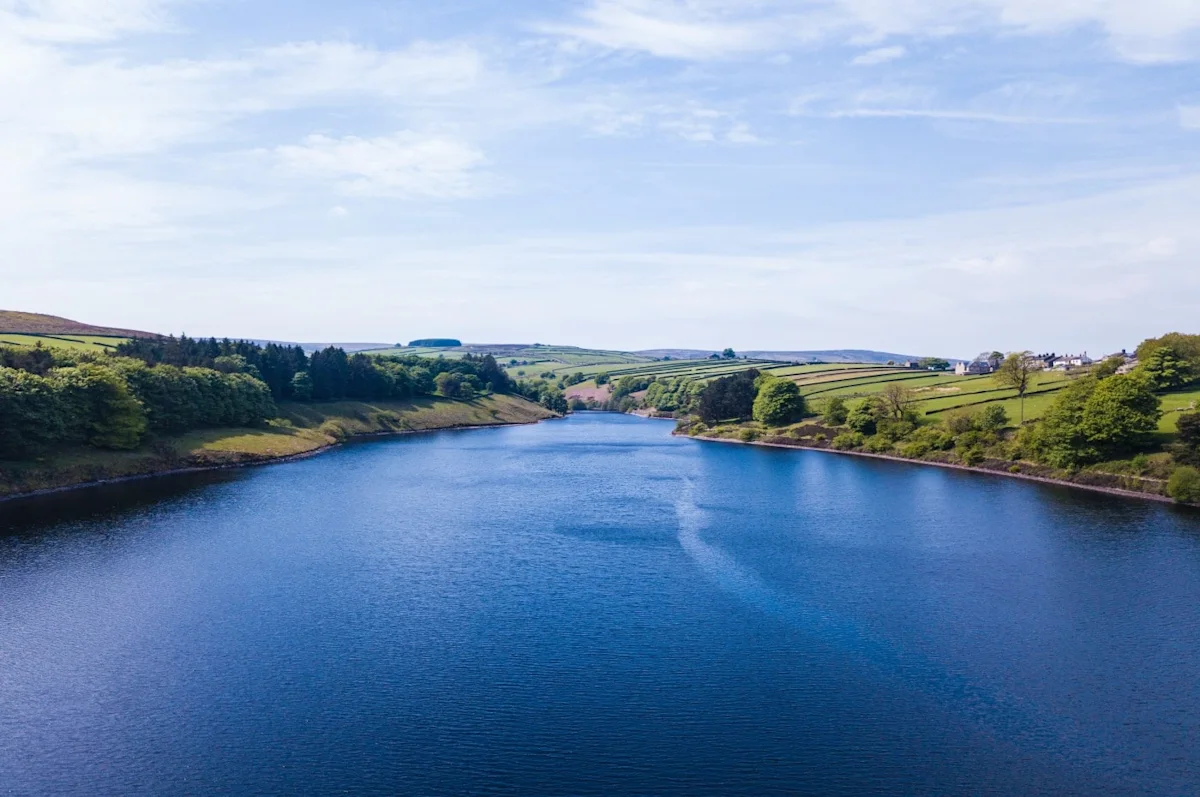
x: 157, y: 405
x: 1104, y: 431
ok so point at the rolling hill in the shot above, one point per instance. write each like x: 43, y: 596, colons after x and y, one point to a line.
x: 826, y: 356
x: 18, y: 323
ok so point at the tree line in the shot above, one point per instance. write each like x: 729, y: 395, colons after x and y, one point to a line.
x: 53, y: 397
x: 114, y: 403
x: 1103, y: 416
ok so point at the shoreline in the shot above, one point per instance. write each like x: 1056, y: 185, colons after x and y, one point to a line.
x: 1095, y: 488
x: 253, y: 460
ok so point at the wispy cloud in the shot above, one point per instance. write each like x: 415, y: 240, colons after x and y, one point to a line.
x: 879, y: 56
x: 403, y: 165
x: 82, y: 20
x: 949, y: 115
x: 1137, y: 30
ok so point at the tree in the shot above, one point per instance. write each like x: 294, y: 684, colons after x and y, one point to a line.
x: 302, y: 386
x: 31, y: 413
x: 1186, y: 347
x: 835, y: 411
x: 1122, y: 412
x: 1189, y: 430
x: 728, y: 398
x: 1108, y: 368
x: 934, y: 364
x: 1092, y: 419
x: 554, y: 400
x: 448, y: 384
x: 1017, y: 372
x: 896, y: 401
x: 863, y: 417
x: 1059, y: 439
x: 1166, y: 369
x: 778, y: 402
x: 729, y: 354
x: 330, y: 372
x: 99, y: 407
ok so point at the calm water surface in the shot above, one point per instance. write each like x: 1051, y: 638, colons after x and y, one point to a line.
x: 594, y: 607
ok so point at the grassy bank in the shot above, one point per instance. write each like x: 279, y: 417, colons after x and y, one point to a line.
x: 1148, y: 479
x: 301, y: 429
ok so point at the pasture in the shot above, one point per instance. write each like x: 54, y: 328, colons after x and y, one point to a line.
x: 88, y: 343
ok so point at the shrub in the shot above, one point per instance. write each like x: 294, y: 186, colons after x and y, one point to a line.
x: 960, y: 423
x: 915, y: 449
x: 1140, y: 463
x: 863, y: 417
x: 748, y: 435
x: 894, y: 430
x: 820, y: 438
x: 878, y: 444
x: 937, y: 437
x: 698, y: 428
x: 835, y: 411
x: 1014, y: 469
x: 848, y: 440
x: 1184, y: 485
x: 971, y: 456
x: 993, y: 418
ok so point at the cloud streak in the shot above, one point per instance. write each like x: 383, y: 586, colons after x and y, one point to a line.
x: 1136, y: 30
x: 404, y: 165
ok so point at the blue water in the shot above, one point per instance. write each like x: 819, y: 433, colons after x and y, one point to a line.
x: 592, y: 606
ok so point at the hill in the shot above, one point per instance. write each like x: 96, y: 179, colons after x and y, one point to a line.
x: 18, y: 323
x: 826, y: 356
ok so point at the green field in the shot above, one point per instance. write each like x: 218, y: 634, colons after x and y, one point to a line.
x: 1175, y: 403
x: 92, y: 343
x: 936, y: 394
x: 533, y: 360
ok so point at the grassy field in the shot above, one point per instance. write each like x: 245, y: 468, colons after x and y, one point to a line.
x: 92, y: 343
x: 937, y: 393
x: 300, y: 429
x: 1175, y: 403
x: 555, y: 357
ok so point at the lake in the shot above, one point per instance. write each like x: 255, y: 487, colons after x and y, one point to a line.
x: 594, y: 607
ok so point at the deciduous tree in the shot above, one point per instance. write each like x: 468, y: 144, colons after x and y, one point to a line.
x: 1017, y: 371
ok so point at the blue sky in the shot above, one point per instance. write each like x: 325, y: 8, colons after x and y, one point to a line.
x: 926, y: 176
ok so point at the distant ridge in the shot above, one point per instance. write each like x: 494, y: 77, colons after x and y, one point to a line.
x: 18, y: 323
x: 825, y: 355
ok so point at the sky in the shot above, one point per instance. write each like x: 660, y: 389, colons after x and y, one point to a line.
x: 919, y: 176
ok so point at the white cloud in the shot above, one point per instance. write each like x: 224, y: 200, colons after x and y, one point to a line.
x: 1189, y: 117
x: 879, y: 56
x: 403, y: 165
x: 1137, y: 30
x: 623, y: 115
x: 674, y: 28
x: 948, y: 115
x: 82, y: 20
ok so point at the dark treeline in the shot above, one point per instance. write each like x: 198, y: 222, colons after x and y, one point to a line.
x: 54, y: 397
x: 729, y: 397
x: 328, y: 375
x: 274, y: 364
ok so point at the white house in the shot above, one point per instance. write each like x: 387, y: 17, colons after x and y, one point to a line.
x: 1069, y: 361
